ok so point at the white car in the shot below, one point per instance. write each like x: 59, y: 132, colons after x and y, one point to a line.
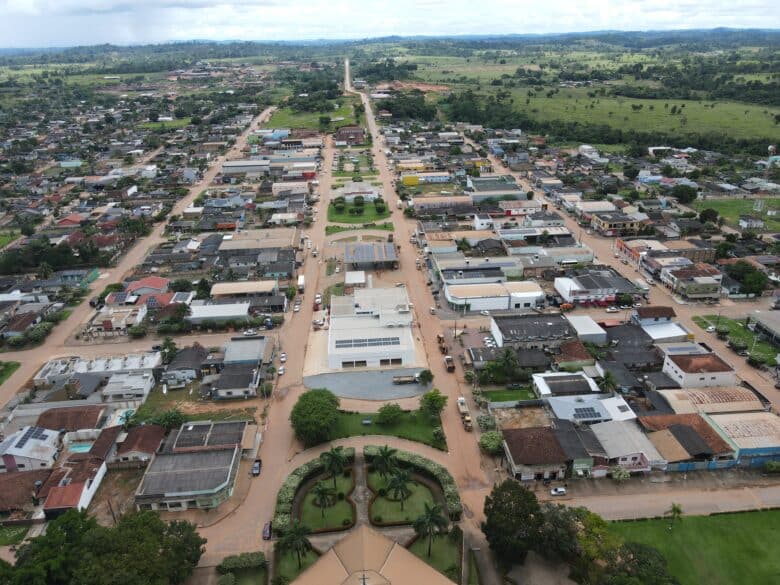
x: 558, y: 491
x: 613, y: 310
x: 283, y: 357
x: 296, y: 308
x: 309, y: 245
x: 280, y: 371
x: 711, y: 329
x: 250, y: 332
x: 485, y: 313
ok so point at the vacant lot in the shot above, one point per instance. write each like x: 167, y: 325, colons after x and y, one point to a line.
x: 731, y: 549
x: 192, y: 407
x: 509, y: 394
x: 287, y: 118
x: 731, y: 209
x: 172, y: 125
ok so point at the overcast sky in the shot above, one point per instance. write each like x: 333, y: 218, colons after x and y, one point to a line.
x: 39, y: 23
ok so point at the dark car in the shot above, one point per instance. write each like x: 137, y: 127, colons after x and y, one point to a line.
x: 256, y: 467
x: 156, y: 347
x: 267, y: 531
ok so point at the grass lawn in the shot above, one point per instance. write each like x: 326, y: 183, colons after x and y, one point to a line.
x: 312, y: 515
x: 335, y: 229
x: 6, y: 369
x: 287, y: 118
x: 729, y: 549
x: 173, y: 125
x: 12, y: 534
x: 413, y: 426
x: 509, y: 394
x: 369, y: 214
x: 445, y: 555
x: 390, y: 510
x: 731, y: 209
x: 287, y: 564
x: 251, y: 577
x: 738, y: 331
x: 335, y: 290
x: 7, y: 238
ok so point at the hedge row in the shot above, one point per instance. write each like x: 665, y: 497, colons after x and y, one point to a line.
x: 291, y: 485
x: 253, y: 560
x: 431, y: 470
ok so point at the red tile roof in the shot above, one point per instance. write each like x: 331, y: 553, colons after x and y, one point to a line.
x: 156, y: 282
x: 534, y: 446
x: 71, y: 419
x: 16, y: 488
x: 143, y: 439
x: 696, y: 422
x: 701, y: 363
x: 66, y: 496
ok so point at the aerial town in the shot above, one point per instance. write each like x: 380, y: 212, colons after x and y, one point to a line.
x: 313, y: 320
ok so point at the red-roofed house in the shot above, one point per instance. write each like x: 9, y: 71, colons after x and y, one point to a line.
x: 72, y: 220
x: 148, y: 285
x: 139, y: 446
x: 73, y: 485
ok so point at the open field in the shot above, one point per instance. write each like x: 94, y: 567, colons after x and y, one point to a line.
x: 177, y: 123
x: 731, y: 209
x: 286, y: 118
x: 729, y: 549
x: 738, y: 331
x: 413, y: 425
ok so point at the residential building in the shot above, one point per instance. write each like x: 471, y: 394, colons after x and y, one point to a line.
x: 614, y: 224
x: 132, y: 386
x: 139, y: 446
x: 750, y: 222
x: 185, y: 366
x: 599, y: 286
x: 534, y: 454
x: 699, y: 371
x: 626, y: 446
x: 552, y: 384
x: 652, y: 315
x: 71, y: 419
x: 29, y: 448
x: 202, y: 313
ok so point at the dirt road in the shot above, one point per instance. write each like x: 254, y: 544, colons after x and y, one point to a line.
x: 57, y: 343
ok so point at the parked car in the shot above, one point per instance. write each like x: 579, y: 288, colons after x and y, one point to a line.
x: 558, y: 491
x: 283, y: 357
x: 485, y: 313
x: 280, y: 371
x: 156, y: 347
x: 613, y: 310
x: 257, y: 466
x: 267, y: 531
x: 637, y: 305
x: 711, y: 329
x: 296, y: 308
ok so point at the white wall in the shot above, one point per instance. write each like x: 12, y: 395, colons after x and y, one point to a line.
x: 89, y: 491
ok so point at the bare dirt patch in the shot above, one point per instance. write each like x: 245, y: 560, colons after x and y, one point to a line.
x: 407, y: 85
x: 115, y: 492
x: 521, y: 418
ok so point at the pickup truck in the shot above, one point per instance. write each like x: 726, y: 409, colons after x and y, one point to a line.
x: 449, y: 363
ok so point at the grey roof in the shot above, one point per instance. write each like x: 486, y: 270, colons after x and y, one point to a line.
x: 623, y: 376
x: 594, y: 279
x: 209, y: 434
x: 578, y: 408
x: 570, y: 441
x: 236, y: 376
x: 523, y: 328
x: 196, y: 472
x: 245, y: 350
x: 691, y: 441
x: 568, y: 385
x: 624, y: 336
x: 374, y: 252
x: 189, y: 358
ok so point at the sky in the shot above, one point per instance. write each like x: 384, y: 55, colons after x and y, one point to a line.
x: 59, y: 23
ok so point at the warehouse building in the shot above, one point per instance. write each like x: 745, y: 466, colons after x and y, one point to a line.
x: 531, y: 331
x: 494, y: 296
x: 755, y: 435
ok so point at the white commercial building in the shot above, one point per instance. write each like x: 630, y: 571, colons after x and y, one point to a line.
x: 494, y: 296
x: 371, y: 328
x: 699, y: 371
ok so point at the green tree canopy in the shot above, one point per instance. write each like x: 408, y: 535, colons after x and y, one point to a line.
x: 512, y: 521
x: 314, y: 416
x: 433, y: 402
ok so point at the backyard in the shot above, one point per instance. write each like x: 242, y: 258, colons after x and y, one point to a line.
x: 369, y: 214
x: 385, y: 510
x: 727, y: 549
x: 333, y: 517
x: 508, y: 395
x: 732, y: 208
x: 413, y: 425
x: 739, y: 332
x: 12, y: 534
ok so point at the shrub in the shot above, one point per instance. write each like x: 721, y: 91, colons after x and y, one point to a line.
x: 389, y: 414
x: 340, y: 496
x: 772, y: 467
x: 486, y: 422
x: 431, y: 470
x: 227, y: 579
x: 253, y: 560
x: 291, y: 485
x: 377, y: 519
x: 382, y: 492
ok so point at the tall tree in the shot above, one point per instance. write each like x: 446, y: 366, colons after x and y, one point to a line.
x: 385, y: 462
x: 430, y: 523
x: 334, y: 462
x: 398, y: 486
x: 323, y: 496
x: 168, y: 350
x: 295, y: 540
x: 433, y: 402
x: 314, y: 416
x: 512, y: 521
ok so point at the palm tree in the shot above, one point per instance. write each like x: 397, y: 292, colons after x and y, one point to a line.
x: 674, y: 513
x: 168, y: 350
x: 508, y: 363
x: 44, y: 270
x: 334, y: 462
x: 608, y: 381
x: 430, y: 523
x: 385, y: 462
x: 323, y: 496
x: 398, y: 486
x: 295, y: 540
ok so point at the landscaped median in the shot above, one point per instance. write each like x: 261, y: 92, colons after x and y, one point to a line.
x: 428, y: 469
x: 738, y: 335
x: 285, y: 499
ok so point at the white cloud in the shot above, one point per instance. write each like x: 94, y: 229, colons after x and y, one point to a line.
x: 26, y: 23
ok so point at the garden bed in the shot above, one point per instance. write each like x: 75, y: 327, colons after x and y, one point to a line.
x: 385, y: 511
x: 340, y: 515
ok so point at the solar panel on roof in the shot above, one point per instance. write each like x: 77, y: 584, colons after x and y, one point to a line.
x: 585, y: 412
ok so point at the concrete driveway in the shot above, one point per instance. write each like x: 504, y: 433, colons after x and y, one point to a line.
x: 367, y: 385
